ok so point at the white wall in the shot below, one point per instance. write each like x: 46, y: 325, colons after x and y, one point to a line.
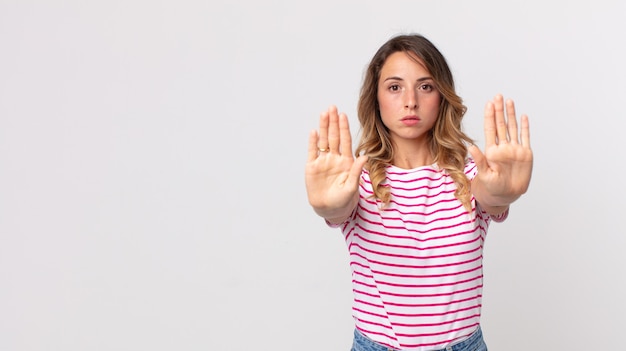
x: 152, y: 157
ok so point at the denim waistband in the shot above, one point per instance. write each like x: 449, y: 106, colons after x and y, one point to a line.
x: 362, y: 343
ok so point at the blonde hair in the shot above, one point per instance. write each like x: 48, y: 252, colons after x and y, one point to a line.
x: 447, y: 140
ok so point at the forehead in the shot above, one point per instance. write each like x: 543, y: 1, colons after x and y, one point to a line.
x: 402, y: 63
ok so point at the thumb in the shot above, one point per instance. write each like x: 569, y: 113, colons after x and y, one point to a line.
x: 479, y: 158
x: 357, y: 168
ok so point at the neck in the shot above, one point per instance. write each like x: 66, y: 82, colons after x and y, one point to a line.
x: 412, y: 156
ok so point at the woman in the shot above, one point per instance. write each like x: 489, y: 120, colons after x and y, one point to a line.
x: 413, y: 207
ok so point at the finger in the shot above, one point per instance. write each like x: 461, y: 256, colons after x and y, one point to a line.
x: 357, y: 167
x: 345, y: 142
x: 333, y: 130
x: 322, y: 141
x: 511, y: 122
x: 479, y: 158
x: 490, y: 124
x: 501, y: 128
x: 525, y: 131
x: 312, y: 152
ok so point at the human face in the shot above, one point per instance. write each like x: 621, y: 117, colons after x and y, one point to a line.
x: 408, y: 98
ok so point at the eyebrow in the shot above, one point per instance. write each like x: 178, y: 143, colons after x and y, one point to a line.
x: 398, y: 78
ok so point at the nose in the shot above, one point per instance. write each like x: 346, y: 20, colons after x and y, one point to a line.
x: 410, y: 100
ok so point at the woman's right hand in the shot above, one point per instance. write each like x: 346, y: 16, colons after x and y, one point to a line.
x: 332, y: 173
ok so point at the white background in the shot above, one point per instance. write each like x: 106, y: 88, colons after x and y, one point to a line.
x: 152, y: 163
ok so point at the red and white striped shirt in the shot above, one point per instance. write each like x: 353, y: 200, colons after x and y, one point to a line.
x: 416, y: 265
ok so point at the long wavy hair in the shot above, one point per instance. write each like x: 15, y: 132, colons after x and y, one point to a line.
x: 447, y: 141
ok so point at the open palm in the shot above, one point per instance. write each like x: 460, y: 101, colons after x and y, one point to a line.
x: 331, y: 172
x: 505, y: 168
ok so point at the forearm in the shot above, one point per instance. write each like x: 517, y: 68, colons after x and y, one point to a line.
x: 494, y: 204
x: 337, y: 215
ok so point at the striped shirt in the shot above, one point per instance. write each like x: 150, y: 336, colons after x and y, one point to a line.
x: 416, y: 265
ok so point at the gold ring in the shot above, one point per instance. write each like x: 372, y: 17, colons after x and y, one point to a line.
x: 323, y: 150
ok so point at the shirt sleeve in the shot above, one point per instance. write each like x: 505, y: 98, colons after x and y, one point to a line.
x: 332, y: 225
x: 501, y: 217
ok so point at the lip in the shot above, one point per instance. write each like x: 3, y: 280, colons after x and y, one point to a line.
x: 410, y: 120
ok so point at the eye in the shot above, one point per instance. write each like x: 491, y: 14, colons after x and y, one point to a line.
x: 427, y: 87
x: 394, y: 87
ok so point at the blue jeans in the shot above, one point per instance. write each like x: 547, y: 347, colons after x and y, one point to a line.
x: 475, y: 342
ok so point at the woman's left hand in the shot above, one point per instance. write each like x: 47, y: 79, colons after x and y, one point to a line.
x: 504, y: 170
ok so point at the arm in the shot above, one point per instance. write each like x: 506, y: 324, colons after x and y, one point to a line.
x: 505, y: 169
x: 331, y: 172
